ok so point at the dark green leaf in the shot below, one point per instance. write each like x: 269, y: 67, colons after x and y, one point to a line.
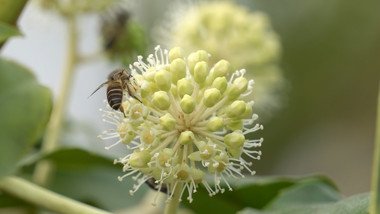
x: 303, y: 194
x: 254, y: 192
x: 357, y: 204
x: 92, y: 178
x: 7, y: 31
x: 25, y: 107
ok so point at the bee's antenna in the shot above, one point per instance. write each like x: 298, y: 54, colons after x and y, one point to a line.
x: 100, y: 86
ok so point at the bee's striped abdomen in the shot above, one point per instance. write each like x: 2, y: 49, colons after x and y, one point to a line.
x: 114, y: 96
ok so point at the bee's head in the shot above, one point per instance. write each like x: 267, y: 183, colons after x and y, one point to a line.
x: 118, y: 74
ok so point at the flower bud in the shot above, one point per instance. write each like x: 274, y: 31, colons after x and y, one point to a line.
x: 220, y: 83
x: 147, y: 136
x: 184, y: 87
x: 176, y: 53
x: 241, y: 83
x: 214, y: 124
x: 207, y: 152
x: 196, y: 57
x: 186, y: 137
x: 163, y: 158
x: 139, y: 159
x: 187, y: 104
x: 198, y: 175
x: 177, y: 70
x: 163, y: 80
x: 211, y: 97
x: 200, y: 72
x: 232, y: 92
x: 128, y: 136
x: 234, y: 125
x: 161, y: 100
x: 236, y: 109
x: 183, y: 172
x: 235, y: 139
x: 167, y: 122
x: 248, y: 111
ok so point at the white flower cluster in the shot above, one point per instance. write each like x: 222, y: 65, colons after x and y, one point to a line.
x: 192, y: 121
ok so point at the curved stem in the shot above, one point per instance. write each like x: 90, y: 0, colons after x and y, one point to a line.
x: 172, y: 205
x: 50, y: 141
x: 375, y: 186
x: 40, y: 196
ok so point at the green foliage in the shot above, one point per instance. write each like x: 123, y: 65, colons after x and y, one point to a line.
x: 259, y: 192
x: 281, y: 195
x: 7, y: 31
x: 91, y: 178
x: 357, y: 204
x: 24, y: 111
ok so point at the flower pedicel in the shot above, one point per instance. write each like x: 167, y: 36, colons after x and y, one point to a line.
x: 191, y: 122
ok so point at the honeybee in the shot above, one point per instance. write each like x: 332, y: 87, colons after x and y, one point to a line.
x: 151, y: 182
x: 119, y: 81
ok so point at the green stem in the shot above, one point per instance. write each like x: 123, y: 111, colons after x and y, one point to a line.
x: 42, y: 197
x: 375, y: 186
x: 173, y: 204
x: 50, y: 141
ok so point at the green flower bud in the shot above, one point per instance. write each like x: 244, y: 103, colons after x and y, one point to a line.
x: 232, y: 92
x: 236, y: 109
x: 222, y: 68
x: 235, y: 139
x: 174, y: 90
x: 198, y: 175
x: 184, y: 87
x: 147, y: 136
x: 235, y: 152
x: 149, y: 74
x: 214, y: 124
x: 186, y: 137
x: 200, y: 72
x: 187, y: 104
x: 196, y: 57
x: 128, y: 137
x: 248, y: 111
x: 206, y: 152
x: 161, y: 100
x: 147, y: 89
x: 176, y: 53
x: 220, y: 83
x: 211, y: 97
x: 234, y: 125
x: 167, y: 122
x: 163, y: 158
x: 183, y: 172
x: 139, y: 159
x: 241, y: 83
x: 163, y: 80
x: 177, y: 69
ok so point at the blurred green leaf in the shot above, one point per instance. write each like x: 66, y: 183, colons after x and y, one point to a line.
x: 256, y: 192
x: 357, y: 204
x: 25, y: 108
x: 92, y: 178
x: 7, y: 31
x: 304, y: 194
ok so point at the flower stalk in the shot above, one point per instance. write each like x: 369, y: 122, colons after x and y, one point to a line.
x: 50, y: 141
x: 42, y: 197
x: 375, y: 186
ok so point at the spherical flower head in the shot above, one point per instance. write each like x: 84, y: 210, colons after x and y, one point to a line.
x: 192, y: 121
x: 229, y: 31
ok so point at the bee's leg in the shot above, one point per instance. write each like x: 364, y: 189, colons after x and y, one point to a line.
x: 136, y: 98
x: 122, y: 110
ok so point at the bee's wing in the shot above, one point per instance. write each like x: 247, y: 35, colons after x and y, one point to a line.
x: 100, y: 86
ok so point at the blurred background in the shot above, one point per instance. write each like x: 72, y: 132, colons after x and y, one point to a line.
x: 330, y: 59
